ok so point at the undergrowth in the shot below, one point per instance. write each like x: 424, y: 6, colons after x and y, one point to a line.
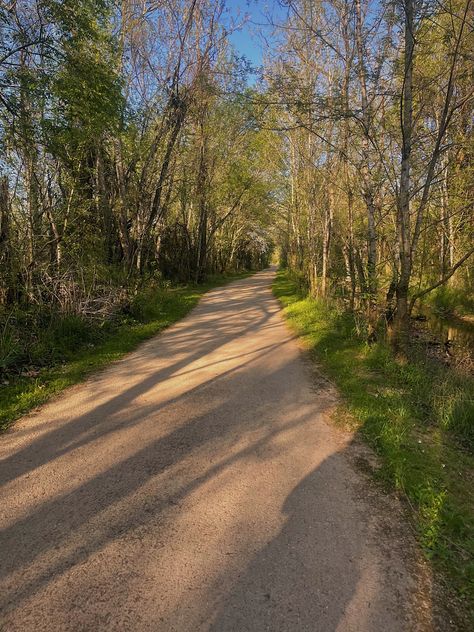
x: 43, y: 352
x: 449, y: 300
x: 419, y: 418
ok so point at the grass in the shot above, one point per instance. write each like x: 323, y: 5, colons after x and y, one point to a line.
x: 68, y: 349
x: 417, y: 416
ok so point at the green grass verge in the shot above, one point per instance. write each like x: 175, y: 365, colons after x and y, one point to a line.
x: 75, y: 349
x: 417, y: 416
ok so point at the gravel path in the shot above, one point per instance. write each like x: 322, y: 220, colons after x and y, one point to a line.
x: 196, y: 485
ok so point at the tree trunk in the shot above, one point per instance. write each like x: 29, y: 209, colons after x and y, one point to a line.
x: 404, y: 231
x: 367, y: 185
x: 6, y: 271
x: 327, y: 235
x: 126, y: 243
x: 202, y: 204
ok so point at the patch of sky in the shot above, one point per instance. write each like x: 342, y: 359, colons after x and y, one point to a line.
x: 251, y: 24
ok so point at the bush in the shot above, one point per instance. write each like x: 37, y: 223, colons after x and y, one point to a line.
x: 146, y: 306
x: 448, y: 300
x: 43, y: 336
x: 63, y: 336
x: 10, y: 349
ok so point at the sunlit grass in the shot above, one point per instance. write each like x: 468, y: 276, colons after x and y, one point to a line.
x: 416, y: 416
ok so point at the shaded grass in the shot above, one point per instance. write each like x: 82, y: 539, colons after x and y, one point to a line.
x: 417, y: 416
x: 71, y: 348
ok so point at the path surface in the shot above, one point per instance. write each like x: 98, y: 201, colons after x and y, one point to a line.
x: 195, y: 485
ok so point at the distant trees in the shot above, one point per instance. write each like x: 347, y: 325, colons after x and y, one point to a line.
x: 375, y: 101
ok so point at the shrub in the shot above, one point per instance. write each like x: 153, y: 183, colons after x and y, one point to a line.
x: 10, y: 349
x: 447, y: 300
x: 147, y: 305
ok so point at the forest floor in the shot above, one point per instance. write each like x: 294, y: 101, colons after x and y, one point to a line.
x: 417, y: 416
x: 199, y: 484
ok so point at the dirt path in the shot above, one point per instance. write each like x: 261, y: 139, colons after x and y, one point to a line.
x: 195, y: 485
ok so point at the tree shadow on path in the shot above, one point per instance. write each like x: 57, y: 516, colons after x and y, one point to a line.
x: 338, y: 563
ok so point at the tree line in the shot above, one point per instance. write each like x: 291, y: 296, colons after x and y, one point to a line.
x: 132, y: 145
x: 374, y: 101
x: 127, y: 148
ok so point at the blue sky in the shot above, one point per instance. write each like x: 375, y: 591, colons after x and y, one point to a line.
x: 246, y: 40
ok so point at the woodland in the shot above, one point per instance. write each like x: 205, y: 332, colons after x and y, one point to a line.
x: 134, y: 149
x: 144, y: 159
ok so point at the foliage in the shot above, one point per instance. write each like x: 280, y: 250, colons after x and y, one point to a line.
x: 453, y: 300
